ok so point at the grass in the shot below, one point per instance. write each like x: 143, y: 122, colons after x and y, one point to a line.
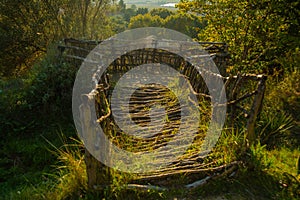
x: 40, y: 160
x: 71, y: 172
x: 273, y: 174
x: 27, y: 164
x: 47, y: 164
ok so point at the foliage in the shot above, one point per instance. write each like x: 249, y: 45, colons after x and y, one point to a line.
x: 25, y: 32
x: 257, y: 32
x: 10, y: 100
x: 263, y: 36
x: 273, y: 129
x: 28, y: 27
x: 50, y: 84
x: 279, y: 120
x: 121, y: 5
x: 83, y: 18
x: 185, y: 23
x: 128, y: 14
x: 44, y: 93
x: 71, y: 172
x: 229, y: 146
x: 273, y: 175
x: 258, y: 158
x: 284, y: 94
x: 142, y: 11
x: 161, y: 12
x: 145, y: 21
x: 26, y: 161
x: 118, y: 24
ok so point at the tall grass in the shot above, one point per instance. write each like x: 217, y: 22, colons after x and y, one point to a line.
x: 271, y: 163
x: 279, y: 120
x: 70, y: 175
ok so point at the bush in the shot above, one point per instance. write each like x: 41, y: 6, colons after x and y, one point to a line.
x: 50, y: 85
x: 281, y: 111
x: 45, y: 91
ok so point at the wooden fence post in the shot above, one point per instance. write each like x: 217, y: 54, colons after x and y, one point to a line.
x: 255, y: 109
x: 98, y: 174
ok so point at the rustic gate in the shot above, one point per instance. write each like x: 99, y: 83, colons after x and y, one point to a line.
x: 244, y: 101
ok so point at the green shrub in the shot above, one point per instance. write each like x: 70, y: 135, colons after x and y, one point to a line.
x: 279, y: 120
x: 274, y: 128
x: 71, y: 176
x: 50, y: 85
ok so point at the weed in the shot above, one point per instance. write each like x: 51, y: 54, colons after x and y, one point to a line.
x: 71, y: 172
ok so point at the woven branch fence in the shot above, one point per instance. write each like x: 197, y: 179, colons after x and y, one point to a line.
x: 244, y: 94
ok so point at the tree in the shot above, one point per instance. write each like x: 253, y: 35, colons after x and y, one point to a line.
x: 28, y: 27
x: 25, y: 30
x: 142, y: 11
x: 128, y: 13
x: 161, y: 12
x: 257, y: 32
x: 182, y: 22
x: 133, y: 7
x: 185, y: 23
x: 122, y: 5
x: 118, y: 24
x: 84, y: 18
x: 145, y: 21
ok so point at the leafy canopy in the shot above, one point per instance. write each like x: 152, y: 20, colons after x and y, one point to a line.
x: 258, y: 32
